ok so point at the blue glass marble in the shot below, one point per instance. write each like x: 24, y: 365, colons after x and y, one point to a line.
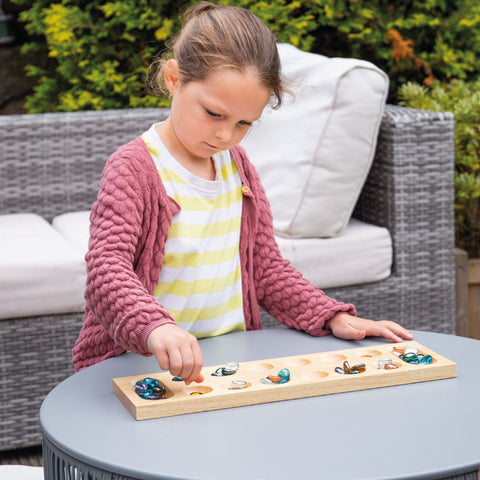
x: 426, y: 360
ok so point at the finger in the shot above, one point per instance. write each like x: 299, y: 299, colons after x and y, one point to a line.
x: 162, y: 359
x: 175, y: 362
x: 193, y: 362
x: 188, y: 365
x: 196, y: 373
x: 401, y: 332
x: 382, y: 331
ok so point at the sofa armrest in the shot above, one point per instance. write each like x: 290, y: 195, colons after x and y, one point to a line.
x: 410, y: 187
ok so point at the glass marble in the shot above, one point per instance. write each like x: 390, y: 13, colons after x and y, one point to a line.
x: 283, y: 376
x: 383, y: 361
x: 360, y: 367
x: 237, y: 384
x: 229, y: 369
x: 390, y: 366
x: 426, y: 360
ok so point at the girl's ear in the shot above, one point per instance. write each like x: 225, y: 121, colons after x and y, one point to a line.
x: 171, y: 75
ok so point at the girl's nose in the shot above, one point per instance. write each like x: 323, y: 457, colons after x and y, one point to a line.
x: 224, y: 134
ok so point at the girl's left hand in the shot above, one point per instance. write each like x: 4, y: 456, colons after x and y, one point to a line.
x: 348, y: 327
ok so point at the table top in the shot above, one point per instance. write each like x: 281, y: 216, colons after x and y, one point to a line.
x: 423, y: 430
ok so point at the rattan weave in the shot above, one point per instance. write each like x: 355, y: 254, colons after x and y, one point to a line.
x: 410, y: 191
x: 52, y: 163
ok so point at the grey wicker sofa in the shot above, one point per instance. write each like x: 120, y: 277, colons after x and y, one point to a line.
x: 52, y: 163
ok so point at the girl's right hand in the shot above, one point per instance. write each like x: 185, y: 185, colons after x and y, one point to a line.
x: 178, y: 351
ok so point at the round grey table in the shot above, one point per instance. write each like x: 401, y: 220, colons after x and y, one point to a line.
x: 423, y: 430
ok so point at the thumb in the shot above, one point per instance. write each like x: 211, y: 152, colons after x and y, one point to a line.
x: 359, y: 334
x: 350, y: 332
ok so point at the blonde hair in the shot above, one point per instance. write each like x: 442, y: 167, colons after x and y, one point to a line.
x: 224, y: 36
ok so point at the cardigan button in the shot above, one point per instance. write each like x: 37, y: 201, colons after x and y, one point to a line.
x: 245, y: 189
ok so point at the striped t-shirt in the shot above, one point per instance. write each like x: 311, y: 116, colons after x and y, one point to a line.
x: 200, y: 281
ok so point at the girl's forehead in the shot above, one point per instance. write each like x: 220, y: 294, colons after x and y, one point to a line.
x: 228, y: 87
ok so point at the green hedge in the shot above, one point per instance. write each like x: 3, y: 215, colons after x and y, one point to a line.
x: 409, y: 40
x: 101, y: 50
x: 463, y: 99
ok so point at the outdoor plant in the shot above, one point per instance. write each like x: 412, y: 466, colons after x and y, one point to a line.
x: 101, y: 50
x: 463, y: 100
x: 410, y: 41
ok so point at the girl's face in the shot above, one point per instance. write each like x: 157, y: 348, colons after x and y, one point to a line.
x: 214, y: 114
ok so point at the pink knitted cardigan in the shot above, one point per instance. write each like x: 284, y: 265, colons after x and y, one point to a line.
x: 129, y: 226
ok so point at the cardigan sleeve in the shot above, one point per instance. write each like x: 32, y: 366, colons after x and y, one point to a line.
x: 281, y: 290
x: 115, y: 294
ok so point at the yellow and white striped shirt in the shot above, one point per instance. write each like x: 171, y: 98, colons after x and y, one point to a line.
x: 200, y: 281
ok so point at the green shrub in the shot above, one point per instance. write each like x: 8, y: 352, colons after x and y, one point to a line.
x: 101, y: 50
x: 463, y: 100
x: 410, y: 41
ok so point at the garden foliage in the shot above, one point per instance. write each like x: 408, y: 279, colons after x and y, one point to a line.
x: 409, y: 40
x: 102, y: 49
x: 463, y: 99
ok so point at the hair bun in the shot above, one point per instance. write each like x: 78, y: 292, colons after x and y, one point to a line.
x: 199, y: 9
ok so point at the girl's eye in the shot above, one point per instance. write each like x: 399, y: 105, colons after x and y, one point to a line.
x: 213, y: 114
x: 244, y: 123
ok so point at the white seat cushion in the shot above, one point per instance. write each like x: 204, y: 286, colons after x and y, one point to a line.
x: 314, y: 153
x: 74, y: 226
x: 41, y: 272
x: 362, y: 253
x: 20, y: 472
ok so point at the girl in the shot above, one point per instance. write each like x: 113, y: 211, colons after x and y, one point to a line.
x: 181, y: 237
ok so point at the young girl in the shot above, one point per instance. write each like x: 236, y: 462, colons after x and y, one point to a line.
x: 181, y: 236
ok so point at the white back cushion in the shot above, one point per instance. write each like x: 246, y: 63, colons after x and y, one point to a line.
x: 314, y: 153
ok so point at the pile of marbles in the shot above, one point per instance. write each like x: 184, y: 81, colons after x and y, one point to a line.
x: 150, y: 389
x: 347, y: 370
x: 412, y: 355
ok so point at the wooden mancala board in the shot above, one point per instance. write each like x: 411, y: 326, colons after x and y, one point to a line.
x: 310, y: 375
